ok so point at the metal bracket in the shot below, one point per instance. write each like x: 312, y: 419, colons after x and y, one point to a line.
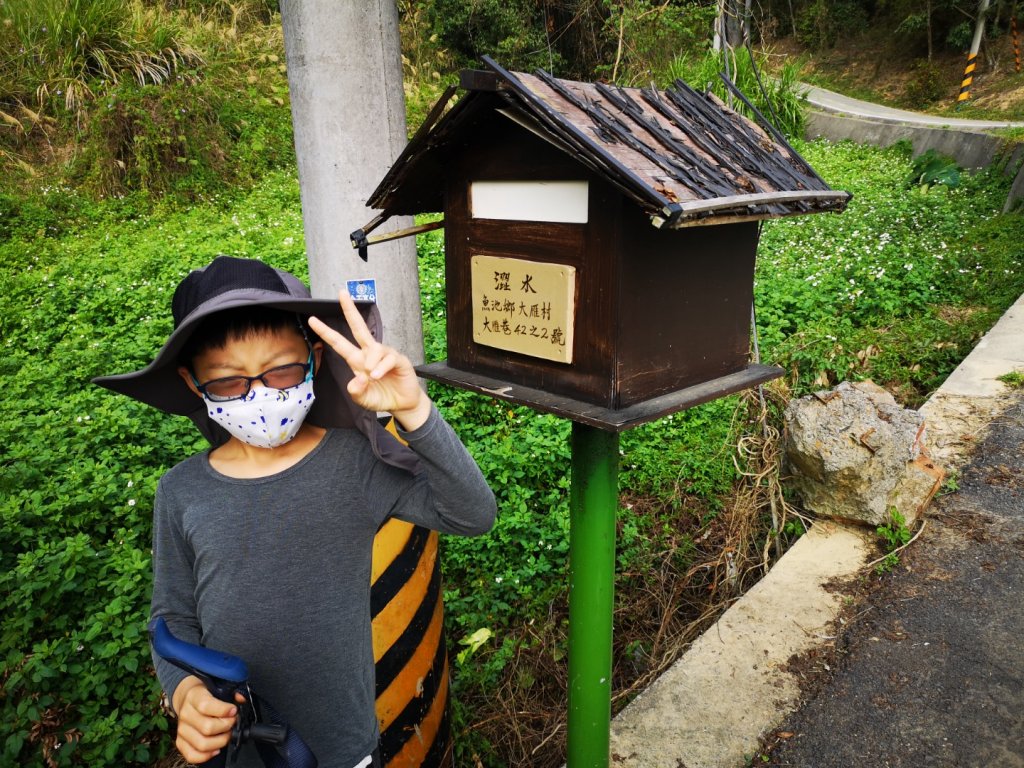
x: 361, y: 239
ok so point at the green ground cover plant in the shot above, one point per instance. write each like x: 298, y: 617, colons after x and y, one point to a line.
x: 893, y: 536
x: 897, y: 289
x: 1014, y: 379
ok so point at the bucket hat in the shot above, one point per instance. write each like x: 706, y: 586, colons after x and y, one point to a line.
x: 228, y: 283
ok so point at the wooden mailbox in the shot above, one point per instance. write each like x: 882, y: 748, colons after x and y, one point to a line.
x: 599, y: 241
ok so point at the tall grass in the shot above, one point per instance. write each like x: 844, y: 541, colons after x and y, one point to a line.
x: 775, y: 96
x: 67, y: 50
x: 112, y: 96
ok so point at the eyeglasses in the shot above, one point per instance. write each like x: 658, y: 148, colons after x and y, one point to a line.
x: 236, y: 387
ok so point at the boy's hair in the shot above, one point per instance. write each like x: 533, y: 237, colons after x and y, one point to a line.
x: 242, y: 322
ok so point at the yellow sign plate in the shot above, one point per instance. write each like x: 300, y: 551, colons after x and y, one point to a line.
x: 524, y: 306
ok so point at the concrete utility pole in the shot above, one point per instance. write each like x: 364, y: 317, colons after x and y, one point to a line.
x: 972, y: 57
x: 348, y: 110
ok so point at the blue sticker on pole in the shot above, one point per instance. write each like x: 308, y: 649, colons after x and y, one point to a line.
x: 363, y: 291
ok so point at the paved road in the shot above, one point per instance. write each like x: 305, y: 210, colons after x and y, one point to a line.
x: 931, y: 673
x: 836, y: 102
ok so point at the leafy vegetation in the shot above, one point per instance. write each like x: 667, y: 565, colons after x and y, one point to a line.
x: 919, y: 27
x: 889, y: 290
x: 1014, y: 379
x: 894, y: 535
x: 630, y: 43
x: 930, y: 168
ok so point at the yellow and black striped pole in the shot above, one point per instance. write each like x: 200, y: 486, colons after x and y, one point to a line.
x: 409, y: 648
x: 1016, y: 40
x: 972, y: 57
x: 965, y: 85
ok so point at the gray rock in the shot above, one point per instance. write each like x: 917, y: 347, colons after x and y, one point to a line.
x: 853, y: 453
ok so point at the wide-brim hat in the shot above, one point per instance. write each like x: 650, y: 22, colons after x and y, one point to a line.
x: 229, y: 283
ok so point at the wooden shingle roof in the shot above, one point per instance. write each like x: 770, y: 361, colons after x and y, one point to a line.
x: 684, y: 157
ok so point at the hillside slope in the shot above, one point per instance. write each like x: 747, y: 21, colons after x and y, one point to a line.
x: 871, y: 67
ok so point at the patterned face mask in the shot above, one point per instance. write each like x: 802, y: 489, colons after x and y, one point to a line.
x: 266, y: 417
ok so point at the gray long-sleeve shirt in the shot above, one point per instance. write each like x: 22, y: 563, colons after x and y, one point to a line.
x: 276, y: 570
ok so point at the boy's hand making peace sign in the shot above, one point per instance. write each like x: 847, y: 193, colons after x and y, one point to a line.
x: 383, y: 378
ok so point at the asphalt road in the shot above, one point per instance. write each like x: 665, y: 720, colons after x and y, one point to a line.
x: 836, y: 102
x: 931, y: 672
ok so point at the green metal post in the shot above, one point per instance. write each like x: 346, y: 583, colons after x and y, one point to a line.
x: 593, y: 501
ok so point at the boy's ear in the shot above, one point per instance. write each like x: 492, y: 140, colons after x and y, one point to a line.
x: 318, y: 354
x: 186, y: 374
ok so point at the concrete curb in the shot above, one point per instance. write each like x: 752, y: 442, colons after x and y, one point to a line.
x: 970, y: 148
x: 711, y: 708
x: 972, y: 395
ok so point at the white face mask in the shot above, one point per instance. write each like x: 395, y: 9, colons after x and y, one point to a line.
x: 266, y: 417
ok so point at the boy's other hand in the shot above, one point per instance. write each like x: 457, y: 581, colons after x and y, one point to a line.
x: 383, y: 379
x: 204, y: 722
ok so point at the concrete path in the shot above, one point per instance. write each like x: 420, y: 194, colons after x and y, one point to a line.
x: 831, y: 101
x: 748, y: 673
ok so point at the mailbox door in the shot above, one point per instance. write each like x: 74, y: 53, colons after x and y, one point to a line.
x: 504, y: 152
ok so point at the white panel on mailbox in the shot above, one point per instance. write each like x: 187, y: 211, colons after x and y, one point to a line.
x: 564, y: 202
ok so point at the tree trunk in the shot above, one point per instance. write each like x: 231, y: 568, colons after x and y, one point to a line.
x: 733, y: 17
x: 348, y: 110
x: 928, y: 21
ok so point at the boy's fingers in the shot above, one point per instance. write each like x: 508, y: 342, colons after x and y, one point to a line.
x: 211, y: 707
x: 357, y: 385
x: 193, y: 755
x: 355, y: 320
x: 197, y: 747
x: 201, y: 734
x: 336, y: 340
x: 373, y: 356
x: 206, y: 733
x: 387, y: 363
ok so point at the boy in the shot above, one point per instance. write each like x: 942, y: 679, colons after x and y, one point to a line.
x: 262, y: 545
